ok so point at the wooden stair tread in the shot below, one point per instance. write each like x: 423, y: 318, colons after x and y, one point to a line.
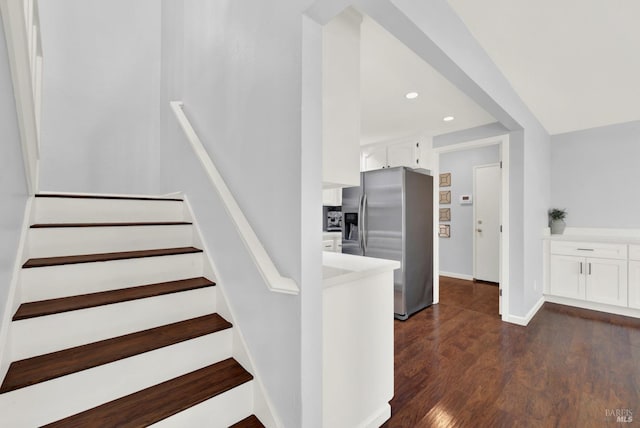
x: 56, y: 364
x: 83, y: 301
x: 160, y: 401
x: 123, y: 224
x: 104, y: 257
x: 250, y: 422
x: 79, y: 196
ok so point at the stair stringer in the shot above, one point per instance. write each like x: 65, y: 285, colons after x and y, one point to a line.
x: 262, y: 406
x: 13, y: 296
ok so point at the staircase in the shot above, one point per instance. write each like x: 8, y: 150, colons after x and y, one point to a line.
x: 119, y: 322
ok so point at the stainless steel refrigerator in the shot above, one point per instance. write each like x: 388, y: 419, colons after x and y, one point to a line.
x: 390, y: 216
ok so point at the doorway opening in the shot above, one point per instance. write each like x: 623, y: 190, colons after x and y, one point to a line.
x: 381, y: 152
x: 487, y: 220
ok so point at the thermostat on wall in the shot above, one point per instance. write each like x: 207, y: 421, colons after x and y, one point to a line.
x: 466, y: 200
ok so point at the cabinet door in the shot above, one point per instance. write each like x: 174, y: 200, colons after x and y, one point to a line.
x: 634, y: 284
x: 374, y: 158
x: 567, y: 276
x: 606, y: 281
x: 332, y: 197
x: 327, y: 245
x: 402, y: 155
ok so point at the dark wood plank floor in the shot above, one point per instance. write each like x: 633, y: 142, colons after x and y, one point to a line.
x: 458, y: 365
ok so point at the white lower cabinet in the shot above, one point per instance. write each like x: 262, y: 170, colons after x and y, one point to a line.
x: 567, y: 276
x: 634, y: 284
x: 606, y: 281
x: 332, y: 241
x: 593, y: 279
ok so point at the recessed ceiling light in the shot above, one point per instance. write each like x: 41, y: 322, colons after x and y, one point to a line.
x: 411, y: 95
x: 448, y: 118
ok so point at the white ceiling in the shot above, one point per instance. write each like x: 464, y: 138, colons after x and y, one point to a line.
x: 575, y: 63
x: 388, y: 71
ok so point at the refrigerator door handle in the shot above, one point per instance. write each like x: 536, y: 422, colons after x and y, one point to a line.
x: 364, y: 226
x: 360, y: 223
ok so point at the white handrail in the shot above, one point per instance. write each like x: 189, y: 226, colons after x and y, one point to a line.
x: 268, y: 270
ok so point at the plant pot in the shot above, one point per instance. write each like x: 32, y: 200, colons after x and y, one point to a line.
x: 557, y: 227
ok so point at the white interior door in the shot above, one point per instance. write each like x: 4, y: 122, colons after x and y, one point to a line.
x: 486, y: 222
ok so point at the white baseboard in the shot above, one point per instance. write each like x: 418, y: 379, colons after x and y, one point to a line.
x: 524, y: 321
x: 380, y: 416
x: 457, y: 275
x: 600, y: 307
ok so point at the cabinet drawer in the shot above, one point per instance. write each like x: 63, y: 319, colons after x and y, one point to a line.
x: 327, y: 245
x: 589, y: 249
x: 634, y: 252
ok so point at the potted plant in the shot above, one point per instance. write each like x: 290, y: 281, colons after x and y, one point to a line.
x: 556, y: 220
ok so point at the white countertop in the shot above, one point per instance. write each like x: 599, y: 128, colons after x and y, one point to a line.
x: 609, y: 236
x: 594, y: 238
x: 338, y: 268
x: 331, y: 235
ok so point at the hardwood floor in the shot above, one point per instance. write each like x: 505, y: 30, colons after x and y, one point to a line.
x: 458, y: 365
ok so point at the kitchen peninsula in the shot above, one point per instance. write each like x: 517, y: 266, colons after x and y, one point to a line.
x: 357, y: 340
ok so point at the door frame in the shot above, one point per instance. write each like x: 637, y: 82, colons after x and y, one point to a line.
x: 475, y: 168
x: 502, y: 141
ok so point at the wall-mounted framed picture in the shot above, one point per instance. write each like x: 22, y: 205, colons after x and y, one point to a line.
x: 445, y: 214
x: 445, y: 196
x: 445, y: 179
x: 444, y: 231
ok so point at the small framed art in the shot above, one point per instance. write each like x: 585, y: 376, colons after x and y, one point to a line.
x: 445, y: 179
x: 445, y: 196
x: 445, y: 214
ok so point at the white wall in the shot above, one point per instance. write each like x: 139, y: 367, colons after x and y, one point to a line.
x: 456, y: 252
x: 595, y: 175
x: 238, y: 71
x: 13, y: 184
x: 100, y: 117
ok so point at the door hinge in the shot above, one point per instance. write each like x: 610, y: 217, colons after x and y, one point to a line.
x: 500, y: 228
x: 501, y: 292
x: 417, y: 144
x: 500, y: 164
x: 417, y: 161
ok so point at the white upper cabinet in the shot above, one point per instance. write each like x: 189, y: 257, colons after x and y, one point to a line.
x: 403, y: 155
x: 332, y: 197
x: 341, y: 100
x: 412, y: 154
x: 374, y: 158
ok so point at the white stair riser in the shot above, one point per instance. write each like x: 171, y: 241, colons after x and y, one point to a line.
x: 68, y: 395
x: 68, y: 280
x: 218, y: 412
x: 88, y: 210
x: 42, y: 335
x: 68, y: 241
